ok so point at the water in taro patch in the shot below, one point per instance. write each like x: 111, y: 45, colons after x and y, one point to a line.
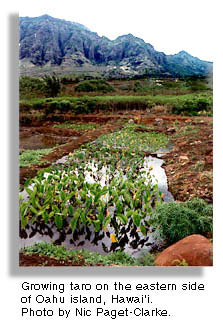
x: 99, y: 198
x: 41, y: 141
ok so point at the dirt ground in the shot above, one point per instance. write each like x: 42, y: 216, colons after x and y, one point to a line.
x: 188, y: 165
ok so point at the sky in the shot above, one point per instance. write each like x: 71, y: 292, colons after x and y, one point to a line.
x: 169, y: 25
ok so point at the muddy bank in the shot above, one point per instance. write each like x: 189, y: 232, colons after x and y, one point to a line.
x: 65, y: 149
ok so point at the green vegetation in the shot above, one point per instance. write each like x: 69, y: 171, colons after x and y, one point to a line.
x: 31, y: 157
x: 52, y: 85
x: 145, y: 259
x: 94, y: 86
x: 119, y: 193
x: 131, y: 139
x: 118, y: 258
x: 31, y: 86
x: 76, y: 126
x: 47, y: 86
x: 188, y: 104
x: 176, y: 220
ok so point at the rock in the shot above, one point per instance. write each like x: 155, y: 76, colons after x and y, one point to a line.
x: 194, y: 250
x: 158, y: 121
x: 171, y: 130
x: 183, y: 158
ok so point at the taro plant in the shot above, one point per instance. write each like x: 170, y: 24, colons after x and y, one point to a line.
x: 98, y: 187
x: 129, y: 138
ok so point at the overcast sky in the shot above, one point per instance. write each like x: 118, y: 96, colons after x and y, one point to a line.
x: 169, y: 25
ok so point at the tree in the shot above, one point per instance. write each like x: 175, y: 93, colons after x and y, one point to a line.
x: 52, y: 85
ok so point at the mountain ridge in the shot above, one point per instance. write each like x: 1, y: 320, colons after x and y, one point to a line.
x: 53, y: 44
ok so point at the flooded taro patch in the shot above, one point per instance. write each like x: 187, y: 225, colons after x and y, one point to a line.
x: 97, y: 162
x: 100, y: 197
x: 41, y: 141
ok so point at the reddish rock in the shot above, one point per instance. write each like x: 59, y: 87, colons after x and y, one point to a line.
x: 183, y: 158
x: 195, y: 250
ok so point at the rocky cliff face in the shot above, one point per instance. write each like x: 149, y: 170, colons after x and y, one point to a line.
x: 50, y: 44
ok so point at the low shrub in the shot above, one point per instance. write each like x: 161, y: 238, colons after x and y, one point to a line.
x: 145, y: 259
x: 176, y: 220
x: 193, y: 106
x: 30, y: 86
x: 85, y: 105
x: 94, y: 86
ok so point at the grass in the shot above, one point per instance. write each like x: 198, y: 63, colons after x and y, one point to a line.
x: 176, y: 220
x: 187, y: 104
x: 76, y: 126
x: 119, y: 258
x: 31, y: 157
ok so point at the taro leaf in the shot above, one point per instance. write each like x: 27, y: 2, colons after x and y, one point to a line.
x: 29, y: 191
x: 122, y: 218
x: 136, y: 218
x: 33, y: 219
x: 70, y: 210
x: 101, y: 214
x: 143, y: 229
x: 23, y: 208
x: 32, y: 209
x: 63, y: 196
x: 129, y: 213
x: 127, y: 197
x: 45, y: 217
x: 27, y: 182
x: 96, y: 224
x: 107, y: 220
x: 73, y: 223
x: 58, y: 220
x: 119, y: 207
x: 83, y: 217
x: 24, y: 221
x: 88, y: 201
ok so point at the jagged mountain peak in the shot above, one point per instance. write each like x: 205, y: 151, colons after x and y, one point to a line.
x: 69, y: 46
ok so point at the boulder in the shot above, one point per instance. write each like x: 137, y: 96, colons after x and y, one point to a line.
x: 194, y: 250
x: 158, y: 122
